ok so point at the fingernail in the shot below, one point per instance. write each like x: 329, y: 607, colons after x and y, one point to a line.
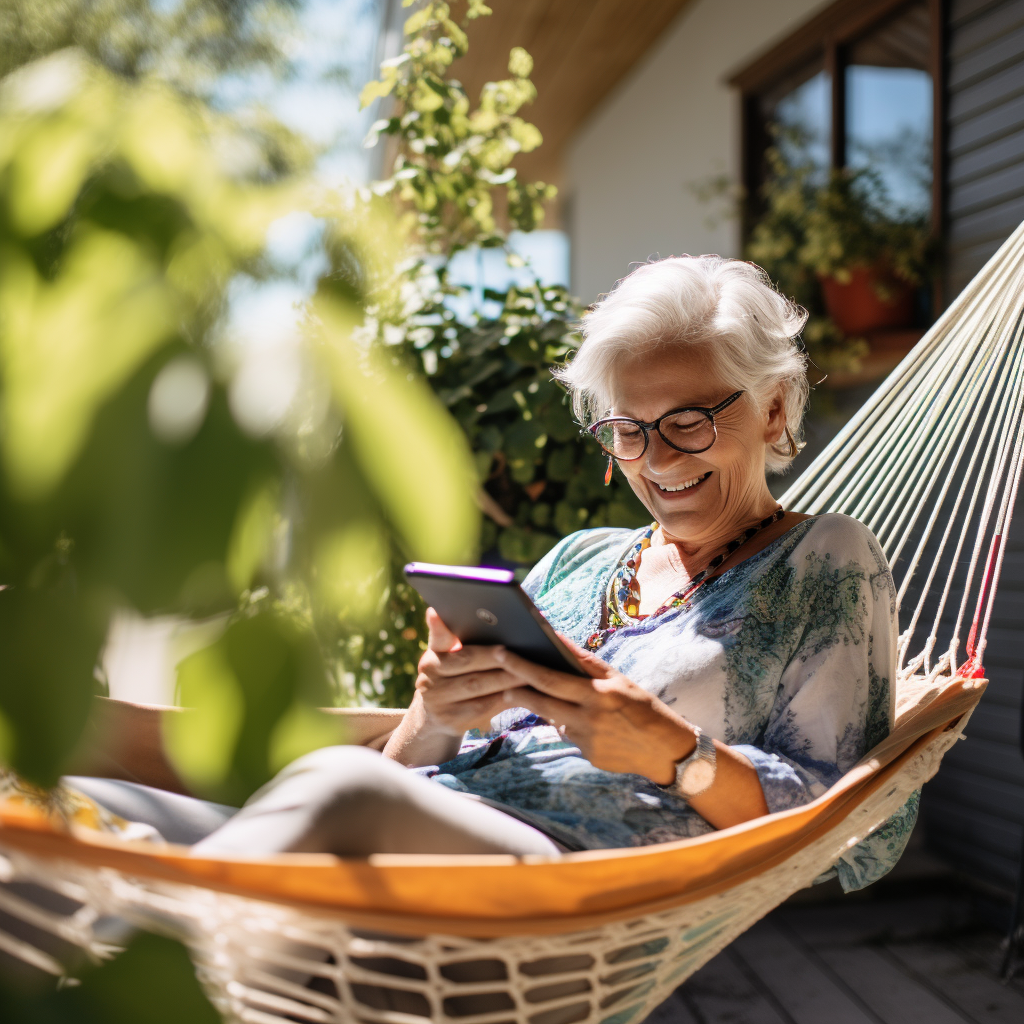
x: 499, y: 653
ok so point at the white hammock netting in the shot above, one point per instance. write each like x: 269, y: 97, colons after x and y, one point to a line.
x: 931, y: 464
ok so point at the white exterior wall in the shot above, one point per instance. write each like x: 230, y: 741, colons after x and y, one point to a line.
x: 673, y: 122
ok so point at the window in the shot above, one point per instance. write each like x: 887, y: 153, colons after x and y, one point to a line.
x: 888, y: 89
x: 801, y: 106
x: 856, y: 86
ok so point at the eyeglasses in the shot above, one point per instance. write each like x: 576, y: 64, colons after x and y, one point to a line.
x: 691, y: 430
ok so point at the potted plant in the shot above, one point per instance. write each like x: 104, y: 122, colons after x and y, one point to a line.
x: 869, y: 260
x: 840, y: 249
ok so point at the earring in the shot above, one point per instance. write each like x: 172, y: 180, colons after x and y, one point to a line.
x: 794, y: 448
x: 608, y: 471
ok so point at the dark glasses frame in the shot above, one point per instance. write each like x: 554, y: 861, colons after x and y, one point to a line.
x: 656, y: 425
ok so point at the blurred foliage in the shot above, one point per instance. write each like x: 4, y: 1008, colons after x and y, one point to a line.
x: 811, y: 230
x: 187, y: 43
x: 143, y: 463
x: 452, y: 159
x: 538, y: 479
x: 152, y: 982
x: 254, y: 692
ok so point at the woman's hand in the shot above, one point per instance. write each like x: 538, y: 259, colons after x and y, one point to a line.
x: 620, y: 727
x: 460, y: 688
x: 451, y: 697
x: 617, y: 725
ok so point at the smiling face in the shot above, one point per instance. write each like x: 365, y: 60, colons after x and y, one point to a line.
x: 704, y: 499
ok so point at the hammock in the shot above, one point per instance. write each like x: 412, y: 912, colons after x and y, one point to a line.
x: 931, y: 464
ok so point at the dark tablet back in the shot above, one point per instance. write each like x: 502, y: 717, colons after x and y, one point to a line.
x: 486, y: 606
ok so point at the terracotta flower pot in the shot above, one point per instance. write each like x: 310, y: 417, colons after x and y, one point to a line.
x: 857, y: 308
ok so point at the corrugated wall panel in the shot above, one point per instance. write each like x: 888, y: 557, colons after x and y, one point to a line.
x: 1004, y: 151
x: 985, y: 131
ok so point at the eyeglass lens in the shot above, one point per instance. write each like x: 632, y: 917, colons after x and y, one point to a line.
x: 688, y: 431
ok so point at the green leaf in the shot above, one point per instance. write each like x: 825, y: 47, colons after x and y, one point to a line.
x: 302, y: 729
x: 160, y: 521
x: 98, y: 321
x: 49, y: 169
x: 415, y: 456
x: 376, y: 90
x: 151, y: 982
x: 50, y: 633
x: 201, y: 741
x: 252, y: 536
x: 561, y: 463
x: 350, y: 564
x: 520, y: 63
x: 240, y: 690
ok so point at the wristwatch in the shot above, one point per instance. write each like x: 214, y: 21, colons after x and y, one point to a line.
x: 695, y: 773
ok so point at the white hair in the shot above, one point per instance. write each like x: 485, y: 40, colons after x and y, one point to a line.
x: 726, y: 305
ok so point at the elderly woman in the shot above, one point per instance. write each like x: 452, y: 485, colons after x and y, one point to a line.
x: 740, y: 655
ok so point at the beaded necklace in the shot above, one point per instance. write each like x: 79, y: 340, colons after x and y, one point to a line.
x: 623, y: 595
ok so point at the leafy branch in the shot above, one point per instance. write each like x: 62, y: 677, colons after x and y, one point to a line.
x: 453, y: 158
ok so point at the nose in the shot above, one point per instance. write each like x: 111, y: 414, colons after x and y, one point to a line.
x: 661, y: 458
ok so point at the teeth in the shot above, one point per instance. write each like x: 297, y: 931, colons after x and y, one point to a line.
x: 682, y: 487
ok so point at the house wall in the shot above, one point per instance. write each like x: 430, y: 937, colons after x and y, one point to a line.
x: 985, y: 133
x: 973, y: 811
x: 671, y: 125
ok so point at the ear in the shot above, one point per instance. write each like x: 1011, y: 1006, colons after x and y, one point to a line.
x: 775, y: 419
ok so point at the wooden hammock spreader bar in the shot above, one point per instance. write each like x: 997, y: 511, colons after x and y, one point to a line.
x: 492, y: 896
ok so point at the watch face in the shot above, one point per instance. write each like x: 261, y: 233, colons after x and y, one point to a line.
x: 696, y: 777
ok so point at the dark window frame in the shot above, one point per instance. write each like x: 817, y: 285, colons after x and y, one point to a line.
x: 827, y: 35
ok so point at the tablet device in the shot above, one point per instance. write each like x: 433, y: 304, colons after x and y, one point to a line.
x: 487, y: 606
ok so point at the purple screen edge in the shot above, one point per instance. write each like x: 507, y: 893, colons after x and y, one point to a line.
x: 462, y: 572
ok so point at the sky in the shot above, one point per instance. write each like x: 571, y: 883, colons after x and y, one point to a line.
x: 330, y: 36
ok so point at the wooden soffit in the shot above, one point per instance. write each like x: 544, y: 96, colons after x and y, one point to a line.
x: 581, y: 50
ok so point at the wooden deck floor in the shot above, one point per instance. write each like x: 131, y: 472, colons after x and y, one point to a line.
x: 923, y: 954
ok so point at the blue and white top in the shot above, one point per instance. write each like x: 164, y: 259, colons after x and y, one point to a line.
x: 788, y: 657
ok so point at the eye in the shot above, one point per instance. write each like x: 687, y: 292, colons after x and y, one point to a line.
x: 627, y: 429
x: 685, y: 421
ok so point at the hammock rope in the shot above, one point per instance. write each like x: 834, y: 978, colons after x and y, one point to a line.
x: 931, y: 463
x: 940, y: 440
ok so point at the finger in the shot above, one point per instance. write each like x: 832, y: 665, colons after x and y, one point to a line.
x: 440, y: 638
x: 465, y: 687
x: 471, y: 714
x: 588, y: 660
x: 444, y: 667
x: 477, y: 714
x: 558, y: 684
x: 485, y: 709
x: 471, y: 658
x: 557, y: 712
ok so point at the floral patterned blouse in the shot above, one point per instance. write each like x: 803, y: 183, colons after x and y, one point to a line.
x: 787, y: 657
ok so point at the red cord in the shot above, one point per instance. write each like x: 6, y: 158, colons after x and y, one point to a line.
x: 972, y: 668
